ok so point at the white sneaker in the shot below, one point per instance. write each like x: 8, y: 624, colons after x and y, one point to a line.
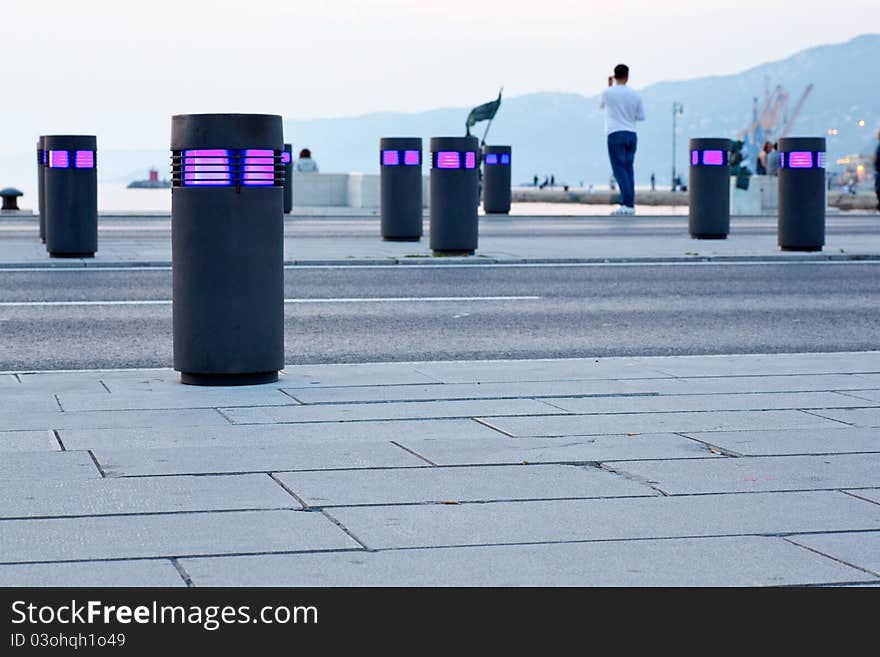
x: 623, y: 211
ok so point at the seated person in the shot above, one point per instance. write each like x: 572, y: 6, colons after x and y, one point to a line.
x: 305, y: 163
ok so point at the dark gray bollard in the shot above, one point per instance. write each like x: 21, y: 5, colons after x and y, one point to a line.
x: 10, y: 198
x: 400, y: 182
x: 709, y: 189
x: 287, y: 161
x: 42, y: 161
x: 453, y: 194
x: 227, y: 243
x: 70, y: 184
x: 496, y: 179
x: 801, y: 193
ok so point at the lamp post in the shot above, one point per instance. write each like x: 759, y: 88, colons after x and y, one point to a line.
x: 677, y: 108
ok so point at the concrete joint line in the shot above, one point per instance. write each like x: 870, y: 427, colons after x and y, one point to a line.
x: 859, y: 497
x: 828, y: 556
x: 97, y: 464
x: 57, y: 436
x: 409, y: 451
x: 289, y: 491
x: 345, y: 529
x: 712, y: 448
x: 653, y: 485
x: 182, y: 572
x: 812, y: 412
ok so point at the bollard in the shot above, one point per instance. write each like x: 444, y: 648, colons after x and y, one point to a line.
x: 10, y: 198
x: 400, y: 181
x: 70, y: 186
x: 227, y: 248
x: 709, y: 189
x: 801, y: 193
x: 42, y: 161
x: 453, y: 194
x: 287, y: 161
x: 496, y: 179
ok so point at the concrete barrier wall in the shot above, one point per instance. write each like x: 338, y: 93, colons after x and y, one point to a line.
x: 352, y: 190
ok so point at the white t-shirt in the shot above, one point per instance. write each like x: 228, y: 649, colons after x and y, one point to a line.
x: 623, y: 107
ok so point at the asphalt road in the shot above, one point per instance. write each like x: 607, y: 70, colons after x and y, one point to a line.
x: 579, y: 312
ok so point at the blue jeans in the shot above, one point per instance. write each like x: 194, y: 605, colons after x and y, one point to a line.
x: 622, y: 153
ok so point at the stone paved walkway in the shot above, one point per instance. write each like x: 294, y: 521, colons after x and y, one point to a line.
x: 353, y: 240
x: 724, y: 470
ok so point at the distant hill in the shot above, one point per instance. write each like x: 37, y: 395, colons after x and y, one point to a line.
x: 562, y: 134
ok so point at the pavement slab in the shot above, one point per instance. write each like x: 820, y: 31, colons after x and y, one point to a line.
x: 872, y: 495
x: 458, y: 484
x: 608, y: 519
x: 735, y: 561
x: 860, y: 549
x: 18, y: 467
x: 390, y: 411
x: 793, y: 441
x: 140, y: 572
x: 857, y: 417
x: 577, y: 449
x: 588, y: 425
x: 157, y: 419
x: 174, y: 396
x: 311, y: 455
x: 35, y: 499
x: 702, y: 402
x: 168, y: 535
x: 272, y: 434
x: 591, y: 387
x: 28, y: 441
x: 756, y: 473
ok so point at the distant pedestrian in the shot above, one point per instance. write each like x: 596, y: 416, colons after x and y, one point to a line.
x: 773, y: 160
x: 552, y: 181
x: 305, y: 163
x: 535, y: 181
x: 653, y: 183
x: 761, y: 166
x: 877, y: 172
x: 623, y: 108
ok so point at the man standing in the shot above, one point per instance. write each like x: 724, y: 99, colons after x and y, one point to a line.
x: 623, y: 107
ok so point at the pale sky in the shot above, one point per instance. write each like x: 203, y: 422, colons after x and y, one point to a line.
x: 120, y: 68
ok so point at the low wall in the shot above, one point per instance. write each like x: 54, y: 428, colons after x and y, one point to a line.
x: 341, y: 190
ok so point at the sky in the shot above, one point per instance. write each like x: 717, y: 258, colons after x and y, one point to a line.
x: 120, y: 69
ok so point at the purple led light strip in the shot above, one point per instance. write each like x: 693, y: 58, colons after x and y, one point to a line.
x: 800, y: 160
x: 695, y: 158
x: 412, y: 158
x: 713, y: 158
x: 490, y: 158
x: 84, y: 160
x: 258, y: 167
x: 470, y: 160
x: 206, y: 167
x: 448, y: 160
x: 59, y: 159
x: 390, y: 158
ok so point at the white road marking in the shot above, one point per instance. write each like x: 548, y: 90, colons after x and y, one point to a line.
x: 499, y: 265
x: 167, y: 302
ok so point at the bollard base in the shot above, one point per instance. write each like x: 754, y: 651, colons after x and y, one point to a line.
x: 497, y: 212
x: 445, y: 254
x: 72, y: 255
x: 401, y: 239
x: 252, y: 379
x: 708, y: 236
x: 810, y: 249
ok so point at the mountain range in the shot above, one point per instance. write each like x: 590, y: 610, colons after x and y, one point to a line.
x: 562, y: 134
